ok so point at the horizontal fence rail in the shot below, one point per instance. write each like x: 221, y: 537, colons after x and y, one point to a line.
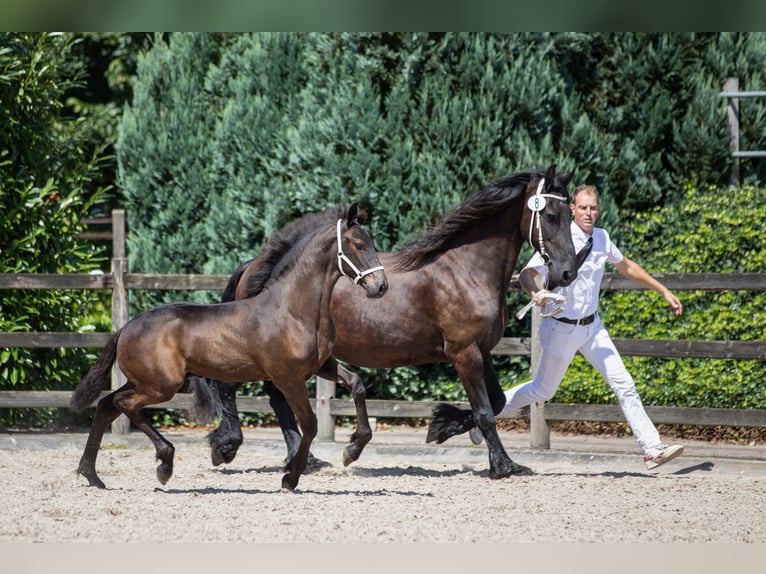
x: 119, y: 282
x: 732, y: 94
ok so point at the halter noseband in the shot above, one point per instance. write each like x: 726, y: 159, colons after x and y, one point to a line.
x: 536, y: 204
x: 342, y: 258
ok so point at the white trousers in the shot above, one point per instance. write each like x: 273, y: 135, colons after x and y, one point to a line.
x: 560, y: 342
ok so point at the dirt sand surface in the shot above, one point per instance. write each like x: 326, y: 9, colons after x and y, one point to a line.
x: 394, y: 493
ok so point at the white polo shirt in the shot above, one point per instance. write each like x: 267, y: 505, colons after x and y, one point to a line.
x: 582, y: 294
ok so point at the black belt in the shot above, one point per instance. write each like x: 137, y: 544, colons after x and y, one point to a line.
x: 584, y: 321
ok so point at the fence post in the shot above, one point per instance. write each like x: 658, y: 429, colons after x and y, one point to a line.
x: 539, y: 431
x: 732, y: 112
x: 121, y: 425
x: 325, y: 421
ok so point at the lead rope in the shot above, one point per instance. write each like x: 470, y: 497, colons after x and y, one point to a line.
x: 342, y: 258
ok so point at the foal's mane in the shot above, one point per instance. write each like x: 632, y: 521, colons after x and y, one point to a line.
x: 485, y: 203
x: 282, y: 249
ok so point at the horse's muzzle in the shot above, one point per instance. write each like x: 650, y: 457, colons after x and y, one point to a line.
x: 375, y: 286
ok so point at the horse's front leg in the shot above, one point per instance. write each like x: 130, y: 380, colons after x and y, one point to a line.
x: 297, y: 396
x: 469, y: 364
x: 350, y: 380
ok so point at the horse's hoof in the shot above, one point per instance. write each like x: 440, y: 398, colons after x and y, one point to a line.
x: 348, y: 457
x: 164, y: 473
x: 314, y: 464
x: 521, y: 470
x: 286, y: 485
x: 93, y: 479
x: 513, y: 470
x: 222, y: 454
x: 217, y: 457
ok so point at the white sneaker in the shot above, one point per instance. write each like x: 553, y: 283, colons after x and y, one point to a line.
x: 660, y: 454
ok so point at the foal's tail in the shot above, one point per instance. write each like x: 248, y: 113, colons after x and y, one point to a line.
x: 96, y: 378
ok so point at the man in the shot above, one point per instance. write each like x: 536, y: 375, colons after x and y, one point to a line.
x: 579, y: 328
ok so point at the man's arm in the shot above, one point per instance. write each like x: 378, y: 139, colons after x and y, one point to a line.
x: 636, y: 273
x: 531, y: 281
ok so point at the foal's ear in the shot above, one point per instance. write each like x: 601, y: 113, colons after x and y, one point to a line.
x: 355, y: 215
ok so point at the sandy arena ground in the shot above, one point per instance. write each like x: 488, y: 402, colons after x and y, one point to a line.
x: 392, y: 496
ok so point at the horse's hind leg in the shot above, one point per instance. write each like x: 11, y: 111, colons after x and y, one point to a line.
x: 286, y: 420
x: 227, y: 438
x: 105, y: 414
x: 469, y: 365
x: 127, y: 403
x: 363, y: 433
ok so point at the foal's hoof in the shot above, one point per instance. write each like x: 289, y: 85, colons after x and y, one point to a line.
x: 348, y: 456
x: 93, y: 480
x: 287, y: 486
x: 164, y: 473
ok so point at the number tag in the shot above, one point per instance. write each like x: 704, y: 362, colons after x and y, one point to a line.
x: 536, y: 203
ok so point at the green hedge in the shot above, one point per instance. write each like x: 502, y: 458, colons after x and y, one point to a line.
x: 47, y: 173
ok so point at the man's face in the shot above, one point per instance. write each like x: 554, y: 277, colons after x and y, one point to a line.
x: 585, y: 211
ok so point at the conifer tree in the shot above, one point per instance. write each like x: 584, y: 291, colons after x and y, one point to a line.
x: 165, y: 154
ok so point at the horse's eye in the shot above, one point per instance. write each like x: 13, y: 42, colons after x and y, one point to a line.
x: 359, y: 246
x: 551, y: 217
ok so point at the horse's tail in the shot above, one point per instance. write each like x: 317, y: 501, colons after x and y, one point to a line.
x: 206, y: 399
x: 95, y: 379
x: 447, y: 421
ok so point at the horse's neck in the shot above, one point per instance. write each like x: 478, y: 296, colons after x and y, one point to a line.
x: 494, y: 251
x: 306, y: 291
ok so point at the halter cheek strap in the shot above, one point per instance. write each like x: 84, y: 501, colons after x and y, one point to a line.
x: 536, y: 204
x: 342, y: 258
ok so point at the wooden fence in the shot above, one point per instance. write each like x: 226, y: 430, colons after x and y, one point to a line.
x: 327, y: 407
x: 732, y: 94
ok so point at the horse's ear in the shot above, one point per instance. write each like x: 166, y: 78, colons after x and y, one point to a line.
x: 355, y: 215
x: 566, y: 178
x: 550, y: 175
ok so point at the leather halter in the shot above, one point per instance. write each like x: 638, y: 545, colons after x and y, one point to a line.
x: 536, y: 204
x: 343, y: 258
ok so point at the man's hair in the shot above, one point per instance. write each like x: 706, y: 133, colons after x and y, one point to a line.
x: 584, y: 188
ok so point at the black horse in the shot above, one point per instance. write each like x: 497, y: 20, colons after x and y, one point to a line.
x: 447, y: 303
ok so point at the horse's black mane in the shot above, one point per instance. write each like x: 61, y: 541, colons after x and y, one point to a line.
x: 282, y: 249
x: 482, y: 205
